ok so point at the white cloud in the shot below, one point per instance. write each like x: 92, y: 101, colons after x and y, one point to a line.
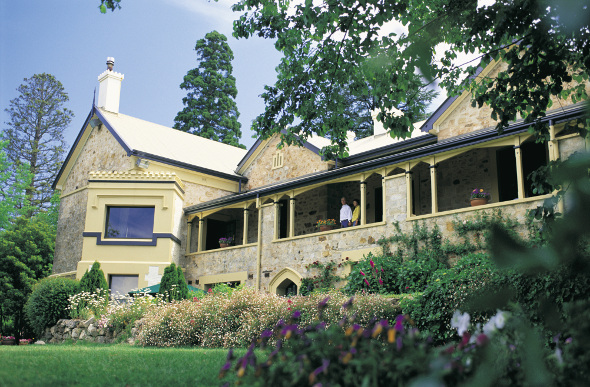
x: 218, y: 11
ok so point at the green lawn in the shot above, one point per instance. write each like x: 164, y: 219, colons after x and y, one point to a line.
x: 109, y: 365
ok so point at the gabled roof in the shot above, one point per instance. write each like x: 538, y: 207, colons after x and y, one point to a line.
x: 162, y: 144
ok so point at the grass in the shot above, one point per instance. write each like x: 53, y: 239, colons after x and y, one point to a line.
x: 109, y: 365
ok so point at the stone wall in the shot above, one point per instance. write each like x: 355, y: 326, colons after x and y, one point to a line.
x: 86, y: 330
x: 296, y: 253
x: 196, y: 193
x: 310, y: 207
x: 465, y: 118
x: 569, y: 146
x: 101, y: 152
x: 459, y: 175
x: 297, y: 161
x: 70, y: 226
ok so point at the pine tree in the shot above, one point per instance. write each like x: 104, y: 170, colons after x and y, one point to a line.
x: 210, y: 108
x: 94, y: 281
x: 38, y: 119
x: 182, y: 286
x: 169, y: 283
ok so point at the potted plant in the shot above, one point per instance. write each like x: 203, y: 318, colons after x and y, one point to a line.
x: 8, y: 340
x: 226, y: 241
x: 24, y: 341
x: 479, y: 197
x: 326, y: 225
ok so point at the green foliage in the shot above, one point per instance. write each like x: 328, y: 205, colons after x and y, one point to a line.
x: 173, y: 285
x: 34, y: 133
x: 49, y: 301
x: 330, y: 46
x: 210, y: 108
x: 324, y: 280
x: 26, y: 255
x: 13, y: 183
x: 182, y: 285
x: 94, y: 280
x: 109, y: 4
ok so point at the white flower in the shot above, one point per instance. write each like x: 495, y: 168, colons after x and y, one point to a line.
x: 500, y: 319
x: 460, y: 321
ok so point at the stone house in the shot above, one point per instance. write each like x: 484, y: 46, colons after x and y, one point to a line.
x: 136, y: 196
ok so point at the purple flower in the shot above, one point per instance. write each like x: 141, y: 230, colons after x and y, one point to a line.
x: 348, y: 303
x: 398, y: 323
x: 296, y: 314
x: 323, y: 303
x: 266, y: 334
x: 568, y: 340
x: 230, y: 355
x: 399, y: 343
x: 226, y: 366
x: 481, y: 339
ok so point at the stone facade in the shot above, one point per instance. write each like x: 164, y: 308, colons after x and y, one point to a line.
x: 297, y: 161
x: 101, y: 152
x: 196, y: 193
x: 465, y: 118
x: 68, y: 243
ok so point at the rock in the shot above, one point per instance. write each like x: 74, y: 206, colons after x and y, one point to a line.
x: 82, y: 325
x: 133, y: 332
x: 92, y: 331
x: 82, y: 335
x: 371, y: 240
x: 362, y: 241
x: 131, y: 341
x: 91, y: 320
x: 101, y: 339
x: 101, y: 332
x: 76, y: 333
x: 39, y: 342
x: 72, y: 323
x: 53, y: 341
x: 53, y: 330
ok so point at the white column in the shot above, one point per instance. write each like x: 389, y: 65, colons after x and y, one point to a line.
x: 189, y: 226
x: 246, y: 217
x: 408, y: 192
x: 363, y: 202
x: 277, y: 224
x: 201, y: 234
x: 519, y: 172
x: 433, y: 195
x: 291, y: 217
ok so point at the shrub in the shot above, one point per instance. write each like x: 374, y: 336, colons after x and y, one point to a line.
x: 173, y: 285
x: 93, y: 280
x: 49, y: 302
x: 232, y: 318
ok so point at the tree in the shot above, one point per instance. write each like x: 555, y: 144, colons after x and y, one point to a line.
x: 26, y: 255
x: 210, y: 108
x: 13, y: 183
x: 94, y: 281
x: 182, y: 286
x: 331, y: 44
x: 169, y: 283
x: 35, y: 135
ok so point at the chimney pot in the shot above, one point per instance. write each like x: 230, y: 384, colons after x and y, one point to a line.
x: 109, y: 92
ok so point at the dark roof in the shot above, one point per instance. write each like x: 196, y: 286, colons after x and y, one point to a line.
x: 564, y: 114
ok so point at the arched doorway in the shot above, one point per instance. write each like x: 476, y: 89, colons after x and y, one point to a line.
x: 286, y: 283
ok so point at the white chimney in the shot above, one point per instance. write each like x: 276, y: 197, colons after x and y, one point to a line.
x: 109, y: 91
x: 378, y: 127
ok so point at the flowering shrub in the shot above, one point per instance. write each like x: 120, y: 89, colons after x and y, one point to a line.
x: 84, y: 305
x: 324, y: 280
x: 227, y: 240
x: 326, y: 222
x: 234, y: 319
x: 479, y: 193
x: 380, y: 353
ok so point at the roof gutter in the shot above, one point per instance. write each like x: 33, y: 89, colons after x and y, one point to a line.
x: 428, y: 150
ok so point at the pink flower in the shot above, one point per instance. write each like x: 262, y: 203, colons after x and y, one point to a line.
x: 367, y: 282
x: 362, y: 273
x: 380, y: 281
x: 372, y: 263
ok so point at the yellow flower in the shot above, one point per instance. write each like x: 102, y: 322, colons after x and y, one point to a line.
x: 391, y: 335
x: 481, y: 190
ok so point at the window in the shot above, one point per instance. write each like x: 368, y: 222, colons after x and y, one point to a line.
x: 130, y: 222
x: 277, y: 160
x: 123, y: 284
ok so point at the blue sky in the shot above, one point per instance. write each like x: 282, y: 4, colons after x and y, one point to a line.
x: 152, y: 43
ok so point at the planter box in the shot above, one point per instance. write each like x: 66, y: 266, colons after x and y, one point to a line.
x: 8, y: 341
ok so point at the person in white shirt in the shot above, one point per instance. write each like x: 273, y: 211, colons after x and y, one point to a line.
x: 345, y: 214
